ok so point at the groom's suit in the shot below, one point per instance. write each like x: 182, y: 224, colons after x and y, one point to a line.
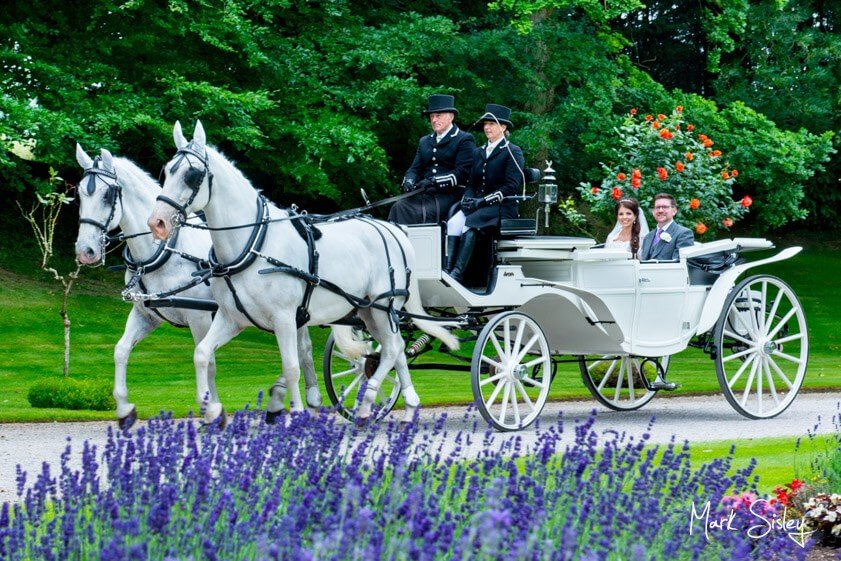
x: 666, y: 250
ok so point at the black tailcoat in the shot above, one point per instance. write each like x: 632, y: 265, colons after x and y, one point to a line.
x: 497, y: 172
x: 447, y: 164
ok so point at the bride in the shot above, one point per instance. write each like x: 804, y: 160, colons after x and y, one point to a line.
x: 631, y: 227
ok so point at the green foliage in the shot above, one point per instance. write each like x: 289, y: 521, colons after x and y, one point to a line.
x: 664, y: 153
x: 71, y: 393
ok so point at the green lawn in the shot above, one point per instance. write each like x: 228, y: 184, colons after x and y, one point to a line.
x: 161, y: 372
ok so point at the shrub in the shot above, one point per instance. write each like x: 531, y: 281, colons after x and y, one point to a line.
x: 314, y: 489
x: 70, y: 393
x: 664, y: 153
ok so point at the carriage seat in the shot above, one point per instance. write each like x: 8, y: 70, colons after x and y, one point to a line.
x: 516, y: 227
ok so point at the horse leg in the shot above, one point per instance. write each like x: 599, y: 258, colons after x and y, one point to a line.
x: 138, y: 326
x: 308, y: 367
x: 392, y: 348
x: 222, y: 330
x: 287, y: 342
x: 410, y: 397
x: 199, y: 328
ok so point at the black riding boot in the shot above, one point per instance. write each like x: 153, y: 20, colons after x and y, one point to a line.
x: 452, y: 249
x: 465, y: 250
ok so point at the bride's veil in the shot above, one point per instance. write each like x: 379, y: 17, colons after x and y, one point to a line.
x: 643, y: 227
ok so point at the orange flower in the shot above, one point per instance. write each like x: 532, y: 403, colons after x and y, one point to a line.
x: 679, y: 166
x: 648, y: 117
x: 661, y: 172
x: 734, y: 173
x: 679, y: 108
x: 716, y: 153
x: 595, y: 190
x: 620, y: 176
x: 694, y: 204
x: 666, y: 135
x: 689, y: 156
x: 655, y: 125
x: 636, y: 173
x: 707, y: 142
x: 634, y: 111
x: 700, y: 228
x: 725, y: 175
x: 702, y: 137
x: 617, y: 193
x: 661, y: 117
x: 677, y: 127
x: 746, y: 201
x: 636, y: 182
x: 727, y: 222
x: 690, y: 128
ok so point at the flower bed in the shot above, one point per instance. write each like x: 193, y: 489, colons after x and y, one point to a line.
x: 315, y: 488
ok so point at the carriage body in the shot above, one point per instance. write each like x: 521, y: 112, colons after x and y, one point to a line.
x: 623, y: 319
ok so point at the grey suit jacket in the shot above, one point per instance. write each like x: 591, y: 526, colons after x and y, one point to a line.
x: 665, y: 251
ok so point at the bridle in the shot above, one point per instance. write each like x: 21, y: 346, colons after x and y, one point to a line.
x: 112, y: 195
x: 193, y: 179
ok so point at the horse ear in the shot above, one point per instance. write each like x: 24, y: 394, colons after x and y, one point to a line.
x: 107, y: 159
x: 199, y: 137
x: 84, y: 160
x: 180, y: 141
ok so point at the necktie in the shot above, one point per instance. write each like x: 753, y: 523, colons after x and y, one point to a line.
x: 657, y: 236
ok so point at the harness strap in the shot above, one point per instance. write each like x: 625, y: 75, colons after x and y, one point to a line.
x: 183, y: 154
x: 240, y: 307
x: 155, y: 310
x: 254, y: 245
x: 158, y: 260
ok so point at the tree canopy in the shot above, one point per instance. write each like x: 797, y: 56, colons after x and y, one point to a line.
x: 316, y: 98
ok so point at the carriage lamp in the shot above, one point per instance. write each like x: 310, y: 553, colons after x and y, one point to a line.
x: 547, y: 191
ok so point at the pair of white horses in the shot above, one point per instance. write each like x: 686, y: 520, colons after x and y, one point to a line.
x: 361, y: 256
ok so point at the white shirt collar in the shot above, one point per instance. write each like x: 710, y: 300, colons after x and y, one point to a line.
x: 492, y: 145
x: 449, y: 130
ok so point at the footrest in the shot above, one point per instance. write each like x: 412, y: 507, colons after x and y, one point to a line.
x: 510, y: 227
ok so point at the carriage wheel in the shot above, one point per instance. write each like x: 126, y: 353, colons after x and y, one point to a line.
x: 761, y: 347
x: 344, y: 379
x: 511, y: 371
x: 616, y: 381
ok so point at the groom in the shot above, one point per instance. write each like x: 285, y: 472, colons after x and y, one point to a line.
x: 665, y: 241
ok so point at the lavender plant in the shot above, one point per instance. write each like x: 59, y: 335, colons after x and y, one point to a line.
x: 316, y: 489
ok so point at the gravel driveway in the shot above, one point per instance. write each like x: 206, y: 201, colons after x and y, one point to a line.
x: 695, y: 419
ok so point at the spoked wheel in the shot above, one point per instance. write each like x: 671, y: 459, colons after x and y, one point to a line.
x: 616, y: 381
x: 511, y: 371
x: 761, y: 347
x: 345, y: 377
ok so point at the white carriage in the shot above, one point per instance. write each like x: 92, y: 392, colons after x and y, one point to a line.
x: 621, y: 319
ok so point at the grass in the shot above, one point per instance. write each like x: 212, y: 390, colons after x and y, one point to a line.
x: 161, y: 371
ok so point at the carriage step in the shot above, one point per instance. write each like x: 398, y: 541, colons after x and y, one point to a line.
x: 660, y: 385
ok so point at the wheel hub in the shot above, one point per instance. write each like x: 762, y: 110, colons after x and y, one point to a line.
x: 768, y: 347
x: 519, y: 371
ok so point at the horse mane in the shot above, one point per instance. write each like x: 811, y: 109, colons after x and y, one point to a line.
x: 230, y: 168
x: 127, y: 169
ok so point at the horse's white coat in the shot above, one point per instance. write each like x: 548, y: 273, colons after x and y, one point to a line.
x: 132, y: 210
x: 352, y: 255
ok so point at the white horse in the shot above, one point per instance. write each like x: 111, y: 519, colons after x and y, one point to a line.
x: 115, y: 192
x: 366, y: 258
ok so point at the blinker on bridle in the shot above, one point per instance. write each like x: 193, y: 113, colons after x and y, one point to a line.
x: 193, y: 178
x: 114, y: 192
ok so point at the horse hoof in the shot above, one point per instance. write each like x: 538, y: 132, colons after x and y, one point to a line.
x: 128, y: 421
x: 272, y: 416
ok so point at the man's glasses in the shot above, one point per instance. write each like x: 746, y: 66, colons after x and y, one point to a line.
x: 661, y: 207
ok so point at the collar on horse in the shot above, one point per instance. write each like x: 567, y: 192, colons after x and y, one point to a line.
x: 193, y: 178
x: 158, y: 259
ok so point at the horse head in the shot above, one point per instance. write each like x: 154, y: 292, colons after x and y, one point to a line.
x: 187, y: 185
x: 100, y: 194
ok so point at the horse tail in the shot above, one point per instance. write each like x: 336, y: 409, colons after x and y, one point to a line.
x: 434, y: 328
x: 350, y: 346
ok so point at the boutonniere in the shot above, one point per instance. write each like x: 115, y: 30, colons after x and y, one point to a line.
x: 666, y: 237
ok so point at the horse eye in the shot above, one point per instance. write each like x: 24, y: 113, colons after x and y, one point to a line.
x: 193, y: 178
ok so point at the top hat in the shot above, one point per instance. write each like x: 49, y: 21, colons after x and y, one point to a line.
x: 496, y: 114
x: 439, y: 103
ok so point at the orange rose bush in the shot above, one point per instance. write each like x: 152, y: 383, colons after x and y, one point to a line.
x: 665, y: 153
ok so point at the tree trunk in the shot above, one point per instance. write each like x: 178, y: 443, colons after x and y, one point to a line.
x: 66, y: 318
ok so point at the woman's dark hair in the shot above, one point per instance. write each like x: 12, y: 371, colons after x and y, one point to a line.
x: 634, y: 206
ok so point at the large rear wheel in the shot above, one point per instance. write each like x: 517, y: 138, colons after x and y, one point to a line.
x: 344, y: 379
x: 761, y: 347
x: 511, y: 371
